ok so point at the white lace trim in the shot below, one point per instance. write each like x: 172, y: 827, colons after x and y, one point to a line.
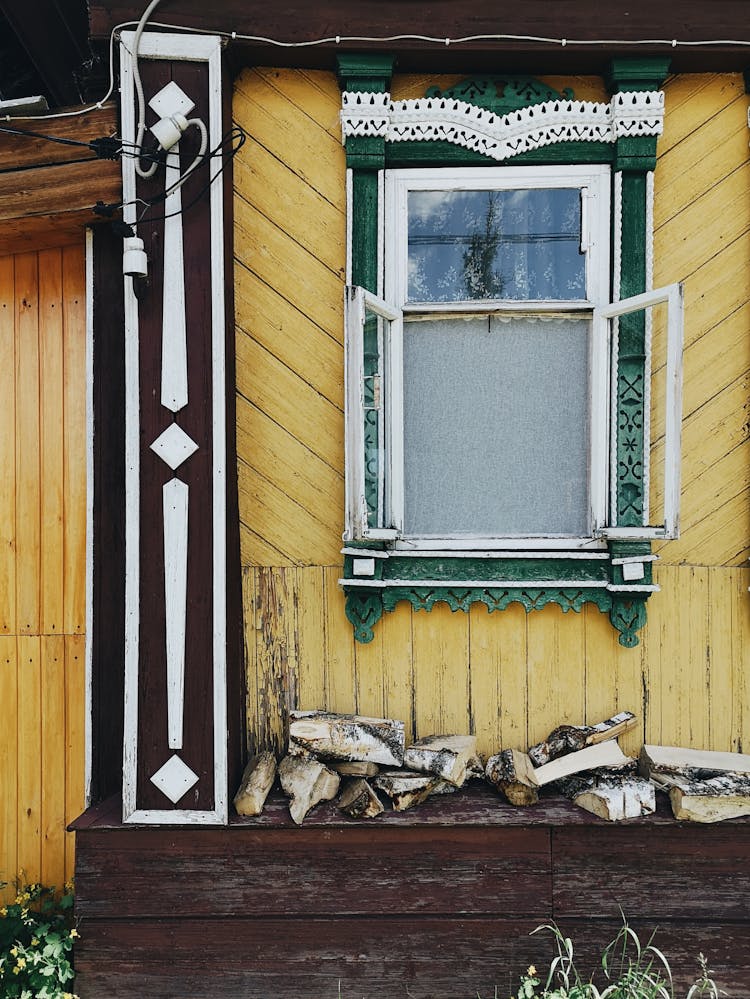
x: 501, y: 136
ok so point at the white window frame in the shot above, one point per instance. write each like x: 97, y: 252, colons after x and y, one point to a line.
x: 594, y: 182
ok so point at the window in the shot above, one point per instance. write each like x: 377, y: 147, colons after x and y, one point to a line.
x: 498, y: 405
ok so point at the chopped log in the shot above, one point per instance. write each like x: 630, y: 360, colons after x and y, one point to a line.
x: 513, y: 773
x: 726, y: 796
x: 257, y: 780
x: 569, y: 787
x: 689, y: 762
x: 346, y: 737
x: 355, y: 768
x: 359, y: 801
x: 603, y: 754
x: 475, y: 768
x: 307, y: 782
x: 405, y: 788
x: 446, y: 756
x: 628, y: 798
x: 570, y: 738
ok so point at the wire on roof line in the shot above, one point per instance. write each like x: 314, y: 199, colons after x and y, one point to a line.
x: 346, y: 39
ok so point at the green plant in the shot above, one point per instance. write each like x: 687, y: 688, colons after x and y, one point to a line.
x: 36, y: 943
x: 631, y: 970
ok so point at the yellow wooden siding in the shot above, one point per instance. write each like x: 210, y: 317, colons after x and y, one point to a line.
x: 507, y: 676
x: 42, y: 560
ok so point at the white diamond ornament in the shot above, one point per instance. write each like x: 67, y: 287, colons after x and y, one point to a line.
x: 174, y: 446
x: 174, y: 779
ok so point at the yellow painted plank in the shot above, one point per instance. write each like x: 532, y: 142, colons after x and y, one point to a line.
x: 276, y: 654
x: 314, y: 92
x: 680, y: 255
x: 7, y: 448
x: 266, y: 182
x: 613, y: 676
x: 398, y: 670
x: 53, y: 759
x: 28, y: 534
x: 51, y: 439
x: 285, y: 524
x: 690, y: 98
x: 718, y: 538
x: 289, y: 401
x: 291, y: 466
x: 74, y: 431
x: 718, y: 289
x: 254, y: 550
x: 250, y: 628
x: 720, y: 667
x: 711, y: 363
x: 499, y: 697
x: 281, y: 262
x: 341, y: 692
x: 441, y: 671
x: 711, y: 152
x: 29, y: 735
x: 290, y: 132
x: 556, y: 670
x: 741, y: 664
x: 75, y: 740
x: 315, y: 354
x: 370, y: 663
x: 8, y: 763
x: 311, y: 639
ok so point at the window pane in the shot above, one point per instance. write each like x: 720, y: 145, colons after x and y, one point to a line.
x: 519, y: 245
x: 496, y: 433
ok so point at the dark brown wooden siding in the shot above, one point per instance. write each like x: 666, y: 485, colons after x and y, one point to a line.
x: 411, y: 904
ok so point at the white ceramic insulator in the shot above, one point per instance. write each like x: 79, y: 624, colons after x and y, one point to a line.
x: 134, y: 260
x: 168, y: 131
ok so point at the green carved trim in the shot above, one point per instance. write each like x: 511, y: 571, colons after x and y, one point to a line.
x: 365, y: 72
x: 364, y: 608
x: 637, y: 74
x: 365, y: 229
x: 441, y: 153
x: 496, y: 570
x: 628, y: 616
x: 502, y: 94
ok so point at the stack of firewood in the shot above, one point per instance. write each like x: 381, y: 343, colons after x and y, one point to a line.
x: 366, y: 763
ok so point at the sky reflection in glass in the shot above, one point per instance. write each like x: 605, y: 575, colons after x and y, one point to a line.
x: 519, y: 245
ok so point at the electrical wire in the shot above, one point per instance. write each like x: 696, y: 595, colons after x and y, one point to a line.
x: 674, y: 43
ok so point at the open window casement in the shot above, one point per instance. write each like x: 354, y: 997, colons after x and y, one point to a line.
x: 671, y: 417
x: 370, y: 370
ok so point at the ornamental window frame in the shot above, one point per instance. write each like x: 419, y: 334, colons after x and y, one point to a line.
x: 443, y: 132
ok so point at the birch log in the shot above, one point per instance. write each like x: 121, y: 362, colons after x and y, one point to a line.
x: 604, y: 754
x: 445, y: 756
x: 405, y: 789
x: 726, y: 796
x: 678, y: 760
x: 359, y: 801
x: 614, y: 800
x: 307, y: 782
x: 570, y: 738
x: 257, y: 780
x: 513, y: 773
x: 346, y: 737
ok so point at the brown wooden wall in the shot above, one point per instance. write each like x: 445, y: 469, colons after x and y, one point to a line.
x: 42, y: 559
x: 507, y: 676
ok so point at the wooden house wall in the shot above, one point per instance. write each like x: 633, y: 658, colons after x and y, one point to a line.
x: 507, y: 676
x: 42, y: 560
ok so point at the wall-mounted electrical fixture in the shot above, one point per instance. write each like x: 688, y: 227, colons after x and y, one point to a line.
x: 134, y: 259
x: 173, y: 106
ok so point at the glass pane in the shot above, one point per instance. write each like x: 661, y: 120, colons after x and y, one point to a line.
x: 519, y: 245
x: 496, y: 437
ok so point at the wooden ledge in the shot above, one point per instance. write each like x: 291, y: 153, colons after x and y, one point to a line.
x: 477, y: 806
